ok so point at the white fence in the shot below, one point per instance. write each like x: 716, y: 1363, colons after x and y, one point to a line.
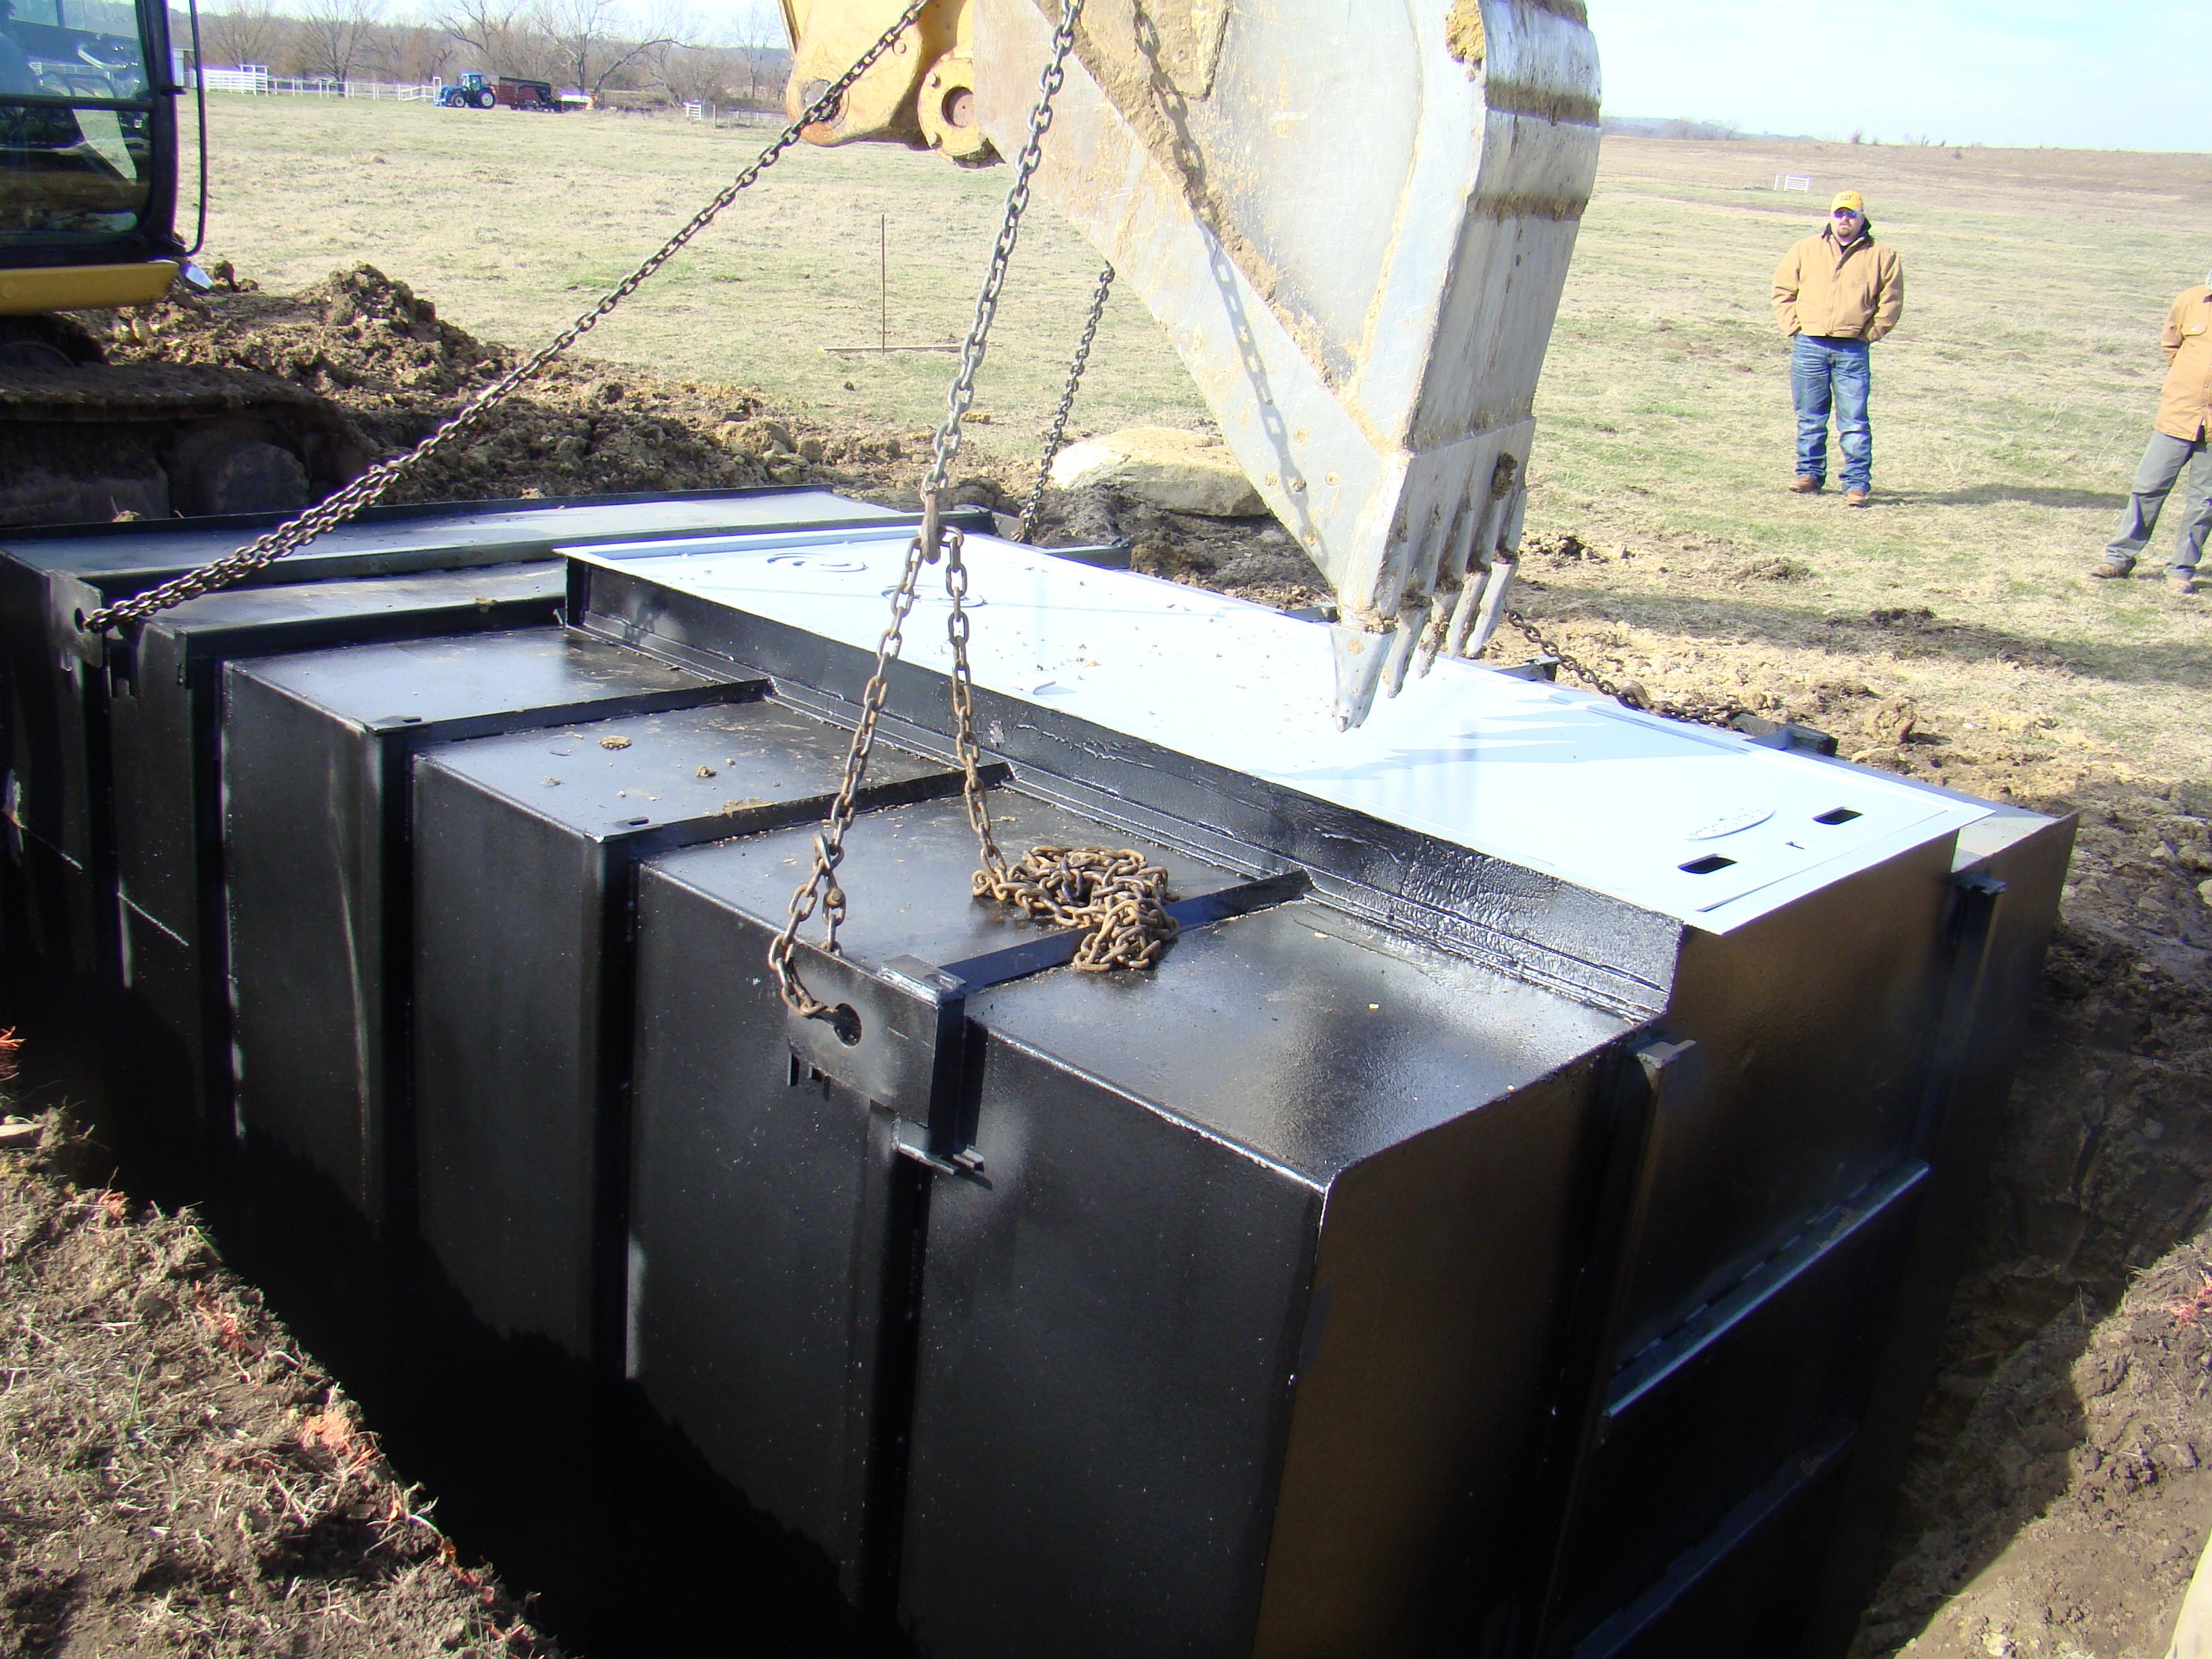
x: 1792, y: 181
x: 254, y: 79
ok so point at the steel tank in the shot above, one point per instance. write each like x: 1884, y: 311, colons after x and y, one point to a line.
x: 1516, y: 1215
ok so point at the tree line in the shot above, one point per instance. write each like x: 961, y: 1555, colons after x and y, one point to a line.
x: 602, y: 48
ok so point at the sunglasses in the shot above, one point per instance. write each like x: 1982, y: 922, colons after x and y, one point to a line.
x: 1847, y: 213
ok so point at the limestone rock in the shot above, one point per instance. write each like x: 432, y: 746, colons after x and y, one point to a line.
x: 1181, y: 472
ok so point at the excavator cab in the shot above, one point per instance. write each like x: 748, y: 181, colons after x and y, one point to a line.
x: 88, y: 150
x: 88, y: 158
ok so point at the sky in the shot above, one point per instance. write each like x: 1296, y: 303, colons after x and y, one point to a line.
x: 2120, y: 74
x: 2133, y: 75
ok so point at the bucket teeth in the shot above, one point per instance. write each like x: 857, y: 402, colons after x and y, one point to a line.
x: 1360, y: 658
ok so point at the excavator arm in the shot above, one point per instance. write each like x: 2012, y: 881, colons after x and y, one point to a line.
x: 1353, y: 217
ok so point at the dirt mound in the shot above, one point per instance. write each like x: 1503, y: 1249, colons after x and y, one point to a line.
x: 180, y: 1478
x: 358, y: 336
x: 1254, y: 559
x: 2079, y: 1479
x: 380, y: 352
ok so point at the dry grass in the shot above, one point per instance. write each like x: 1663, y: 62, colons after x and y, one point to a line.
x: 2009, y: 411
x: 176, y: 1478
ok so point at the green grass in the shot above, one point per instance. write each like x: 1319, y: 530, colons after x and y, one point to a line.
x: 2008, y: 409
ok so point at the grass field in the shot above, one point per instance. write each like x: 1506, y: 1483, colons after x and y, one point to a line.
x: 515, y: 223
x: 2009, y: 411
x: 2009, y: 408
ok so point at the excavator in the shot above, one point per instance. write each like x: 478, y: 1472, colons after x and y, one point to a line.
x: 89, y: 144
x: 1354, y: 222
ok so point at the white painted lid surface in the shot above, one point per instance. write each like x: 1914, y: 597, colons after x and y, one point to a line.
x: 1554, y: 779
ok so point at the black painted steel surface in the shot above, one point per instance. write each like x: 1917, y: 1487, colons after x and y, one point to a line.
x: 165, y: 755
x: 317, y: 749
x: 56, y: 785
x: 1432, y: 1255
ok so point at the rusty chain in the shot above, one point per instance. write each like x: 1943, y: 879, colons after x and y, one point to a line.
x: 368, y: 490
x: 821, y: 888
x: 1125, y: 907
x: 1117, y: 895
x: 1056, y: 434
x: 1699, y: 712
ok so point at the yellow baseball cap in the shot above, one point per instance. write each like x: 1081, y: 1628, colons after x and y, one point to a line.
x: 1849, y: 198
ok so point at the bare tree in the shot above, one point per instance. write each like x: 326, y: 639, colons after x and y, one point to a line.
x: 335, y: 34
x: 698, y: 75
x: 496, y: 33
x: 595, y: 41
x: 246, y: 32
x: 758, y: 31
x: 420, y: 53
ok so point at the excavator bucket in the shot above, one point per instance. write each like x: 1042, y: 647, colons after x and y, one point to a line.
x: 1353, y: 216
x: 1354, y: 220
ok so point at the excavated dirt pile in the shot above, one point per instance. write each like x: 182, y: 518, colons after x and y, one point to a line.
x: 2057, y: 1497
x: 376, y: 351
x: 379, y: 351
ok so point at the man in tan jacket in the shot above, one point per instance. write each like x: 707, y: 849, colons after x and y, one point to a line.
x: 1835, y: 295
x: 2180, y: 440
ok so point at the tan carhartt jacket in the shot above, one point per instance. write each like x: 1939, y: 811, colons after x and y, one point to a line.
x: 1857, y: 293
x: 2185, y: 411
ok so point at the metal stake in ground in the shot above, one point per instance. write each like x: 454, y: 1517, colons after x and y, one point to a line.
x: 373, y: 485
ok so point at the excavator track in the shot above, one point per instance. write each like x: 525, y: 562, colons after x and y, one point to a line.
x: 96, y: 442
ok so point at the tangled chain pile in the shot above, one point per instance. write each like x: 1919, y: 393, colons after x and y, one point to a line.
x: 1115, y: 894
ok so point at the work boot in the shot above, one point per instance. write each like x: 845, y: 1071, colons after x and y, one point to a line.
x: 1857, y: 497
x: 2181, y: 582
x: 2113, y: 571
x: 1804, y: 484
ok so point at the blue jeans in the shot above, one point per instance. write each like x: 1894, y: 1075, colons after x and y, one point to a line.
x: 1832, y: 374
x: 2163, y: 463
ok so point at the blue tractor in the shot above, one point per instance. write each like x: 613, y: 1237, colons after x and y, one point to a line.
x: 474, y: 92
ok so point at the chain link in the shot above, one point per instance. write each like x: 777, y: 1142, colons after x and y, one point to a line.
x: 1700, y: 711
x: 1056, y: 435
x: 1120, y: 898
x: 371, y: 487
x: 821, y: 888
